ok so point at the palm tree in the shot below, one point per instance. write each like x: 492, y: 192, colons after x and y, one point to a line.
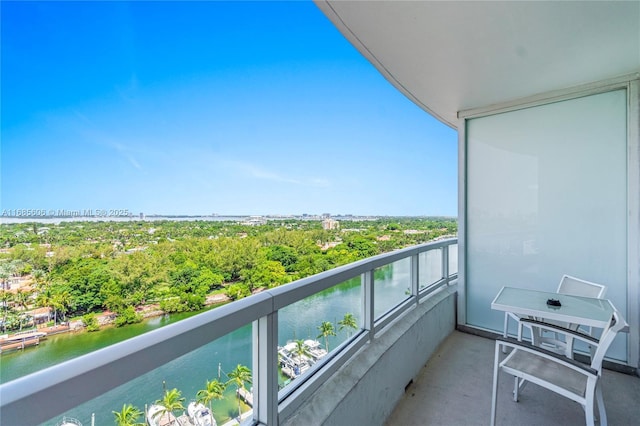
x: 17, y: 267
x: 171, y: 401
x: 58, y: 301
x: 38, y: 275
x: 239, y: 376
x: 62, y: 301
x: 22, y: 298
x: 45, y: 299
x: 214, y: 389
x: 6, y: 298
x: 301, y: 349
x: 348, y: 322
x: 5, y: 273
x: 128, y: 416
x: 326, y: 330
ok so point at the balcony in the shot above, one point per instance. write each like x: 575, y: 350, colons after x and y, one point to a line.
x: 380, y: 366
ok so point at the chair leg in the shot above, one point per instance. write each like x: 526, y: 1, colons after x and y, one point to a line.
x: 494, y: 394
x: 504, y: 332
x: 518, y: 385
x: 601, y: 411
x: 588, y: 411
x: 591, y: 394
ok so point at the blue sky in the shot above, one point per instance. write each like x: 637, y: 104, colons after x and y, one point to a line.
x: 208, y: 107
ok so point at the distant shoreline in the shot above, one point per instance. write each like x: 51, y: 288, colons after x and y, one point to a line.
x: 211, y: 218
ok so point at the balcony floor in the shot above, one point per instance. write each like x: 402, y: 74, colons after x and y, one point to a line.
x: 454, y: 389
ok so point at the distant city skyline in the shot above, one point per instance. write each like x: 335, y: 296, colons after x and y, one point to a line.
x: 195, y: 108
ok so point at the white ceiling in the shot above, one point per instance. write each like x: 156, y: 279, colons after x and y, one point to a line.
x: 452, y: 56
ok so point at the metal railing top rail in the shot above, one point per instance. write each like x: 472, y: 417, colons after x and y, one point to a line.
x: 59, y: 388
x: 302, y: 288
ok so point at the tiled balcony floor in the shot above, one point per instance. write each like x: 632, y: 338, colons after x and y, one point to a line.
x: 454, y: 389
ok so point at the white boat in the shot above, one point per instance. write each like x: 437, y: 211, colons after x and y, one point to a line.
x: 69, y: 421
x: 156, y: 416
x: 200, y: 415
x: 315, y: 349
x: 294, y: 364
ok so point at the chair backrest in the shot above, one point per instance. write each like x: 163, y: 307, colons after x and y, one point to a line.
x: 578, y: 287
x: 616, y: 324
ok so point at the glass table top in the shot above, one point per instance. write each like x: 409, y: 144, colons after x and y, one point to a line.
x: 574, y: 309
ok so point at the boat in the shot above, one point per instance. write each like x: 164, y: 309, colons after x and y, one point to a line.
x: 315, y: 349
x: 69, y: 421
x: 158, y: 416
x: 200, y: 415
x: 293, y: 364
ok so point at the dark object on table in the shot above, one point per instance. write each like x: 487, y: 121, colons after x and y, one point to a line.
x: 553, y: 302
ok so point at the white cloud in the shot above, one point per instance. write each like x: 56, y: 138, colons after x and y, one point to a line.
x: 127, y: 153
x: 257, y: 172
x: 89, y: 131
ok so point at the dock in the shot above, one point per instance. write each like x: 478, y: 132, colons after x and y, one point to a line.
x: 21, y: 340
x: 234, y: 421
x: 246, y: 396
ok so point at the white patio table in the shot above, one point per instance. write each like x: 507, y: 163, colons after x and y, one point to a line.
x: 580, y: 310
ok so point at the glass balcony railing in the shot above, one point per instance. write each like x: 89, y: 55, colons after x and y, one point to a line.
x: 290, y: 338
x: 430, y: 268
x: 392, y: 286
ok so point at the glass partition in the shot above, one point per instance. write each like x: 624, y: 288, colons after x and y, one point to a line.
x: 429, y: 268
x: 392, y: 285
x: 546, y: 195
x: 453, y: 259
x: 312, y: 327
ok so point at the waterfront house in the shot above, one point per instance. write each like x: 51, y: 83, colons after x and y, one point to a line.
x: 545, y: 99
x: 41, y: 315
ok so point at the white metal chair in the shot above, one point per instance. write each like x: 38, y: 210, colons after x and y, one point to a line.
x: 575, y: 287
x: 568, y: 285
x: 564, y: 376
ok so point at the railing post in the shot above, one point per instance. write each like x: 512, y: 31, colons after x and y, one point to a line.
x: 368, y: 302
x: 415, y: 277
x: 265, y: 370
x: 445, y: 263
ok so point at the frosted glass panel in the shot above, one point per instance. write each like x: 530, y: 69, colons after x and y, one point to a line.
x: 547, y: 196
